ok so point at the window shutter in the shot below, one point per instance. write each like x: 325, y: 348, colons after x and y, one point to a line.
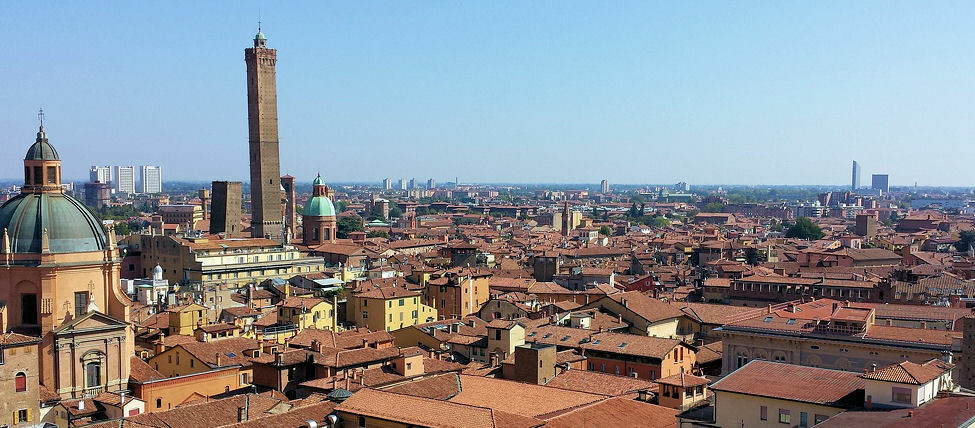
x: 30, y: 415
x: 21, y: 383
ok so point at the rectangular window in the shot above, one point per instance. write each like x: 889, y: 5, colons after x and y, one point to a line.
x: 818, y: 419
x: 38, y: 176
x: 785, y: 417
x: 23, y: 416
x: 402, y: 302
x: 900, y: 395
x: 803, y: 419
x: 80, y: 303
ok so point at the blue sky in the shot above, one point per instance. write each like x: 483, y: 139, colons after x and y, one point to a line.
x: 504, y: 91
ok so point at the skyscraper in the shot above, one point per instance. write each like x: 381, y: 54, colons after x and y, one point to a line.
x: 262, y: 119
x: 125, y: 180
x: 402, y: 184
x: 387, y: 184
x: 412, y: 183
x: 880, y: 182
x: 431, y: 183
x: 101, y: 174
x: 604, y: 187
x: 150, y: 179
x: 856, y: 176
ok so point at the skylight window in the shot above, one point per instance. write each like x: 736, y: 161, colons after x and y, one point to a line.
x: 768, y: 319
x: 564, y: 338
x: 547, y: 335
x: 622, y: 345
x: 231, y: 355
x: 596, y: 342
x: 791, y: 321
x: 532, y: 334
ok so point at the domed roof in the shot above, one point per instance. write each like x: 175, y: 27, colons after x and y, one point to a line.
x: 260, y: 35
x: 319, y: 206
x: 71, y: 228
x: 338, y: 395
x: 319, y: 181
x: 41, y: 149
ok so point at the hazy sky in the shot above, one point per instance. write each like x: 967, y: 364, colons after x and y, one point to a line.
x: 634, y: 92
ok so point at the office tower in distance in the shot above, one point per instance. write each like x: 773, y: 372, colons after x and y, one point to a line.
x: 412, y: 184
x: 125, y: 180
x: 387, y: 184
x: 431, y: 183
x: 880, y: 182
x: 402, y: 184
x: 150, y: 179
x: 856, y: 176
x: 604, y: 186
x: 97, y: 194
x: 262, y: 120
x: 225, y: 212
x: 101, y: 174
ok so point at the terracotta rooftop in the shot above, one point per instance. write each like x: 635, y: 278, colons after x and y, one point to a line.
x: 794, y: 383
x: 427, y: 412
x: 910, y: 373
x: 600, y: 383
x: 616, y: 412
x: 533, y: 400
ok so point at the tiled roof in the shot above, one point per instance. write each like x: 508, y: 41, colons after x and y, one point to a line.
x: 795, y: 383
x: 424, y: 411
x: 599, y: 383
x: 348, y: 339
x: 683, y: 380
x: 616, y: 412
x: 141, y: 372
x: 648, y: 308
x: 15, y: 339
x: 442, y: 387
x: 910, y: 373
x: 533, y: 400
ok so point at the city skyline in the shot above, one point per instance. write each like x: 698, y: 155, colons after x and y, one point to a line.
x: 522, y: 98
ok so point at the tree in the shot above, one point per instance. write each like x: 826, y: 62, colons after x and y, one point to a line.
x: 804, y: 229
x: 341, y: 206
x: 395, y: 212
x: 967, y: 238
x: 659, y: 222
x: 752, y: 256
x: 713, y: 207
x: 377, y: 234
x: 634, y: 211
x: 605, y: 231
x: 347, y: 225
x: 122, y: 229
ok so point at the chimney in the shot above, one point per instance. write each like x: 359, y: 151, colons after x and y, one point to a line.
x: 769, y: 308
x: 362, y: 377
x: 347, y: 386
x: 873, y: 367
x: 218, y: 360
x: 81, y: 404
x: 241, y: 414
x: 278, y: 359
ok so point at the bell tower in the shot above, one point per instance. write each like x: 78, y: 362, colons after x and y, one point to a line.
x: 262, y: 119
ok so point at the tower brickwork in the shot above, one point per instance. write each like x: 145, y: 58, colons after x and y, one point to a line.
x: 262, y: 119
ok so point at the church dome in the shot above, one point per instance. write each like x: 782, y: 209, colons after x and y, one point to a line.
x: 41, y: 149
x: 71, y: 228
x: 319, y: 206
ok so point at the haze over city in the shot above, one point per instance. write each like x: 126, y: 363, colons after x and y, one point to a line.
x: 550, y: 92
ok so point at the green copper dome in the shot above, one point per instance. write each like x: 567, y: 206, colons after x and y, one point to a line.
x: 71, y: 228
x: 319, y: 181
x: 319, y: 206
x: 41, y: 149
x: 260, y: 36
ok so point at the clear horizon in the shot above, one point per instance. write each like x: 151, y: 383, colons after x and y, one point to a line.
x: 549, y: 92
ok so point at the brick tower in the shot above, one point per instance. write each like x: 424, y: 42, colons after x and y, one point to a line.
x: 262, y: 119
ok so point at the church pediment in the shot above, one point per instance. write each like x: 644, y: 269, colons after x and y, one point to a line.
x: 92, y: 321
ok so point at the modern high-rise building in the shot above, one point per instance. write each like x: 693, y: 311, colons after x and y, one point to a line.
x: 412, y: 184
x: 225, y: 211
x: 387, y: 184
x: 402, y: 184
x: 856, y: 176
x: 150, y: 179
x: 604, y: 186
x: 880, y: 182
x: 262, y: 119
x: 125, y: 180
x: 431, y: 183
x: 101, y: 174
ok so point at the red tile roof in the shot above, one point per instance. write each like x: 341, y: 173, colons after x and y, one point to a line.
x: 795, y: 383
x: 910, y: 373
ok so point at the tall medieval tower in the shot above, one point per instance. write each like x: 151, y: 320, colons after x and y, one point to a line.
x: 262, y: 119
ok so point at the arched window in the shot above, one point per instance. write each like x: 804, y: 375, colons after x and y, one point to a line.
x: 20, y: 382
